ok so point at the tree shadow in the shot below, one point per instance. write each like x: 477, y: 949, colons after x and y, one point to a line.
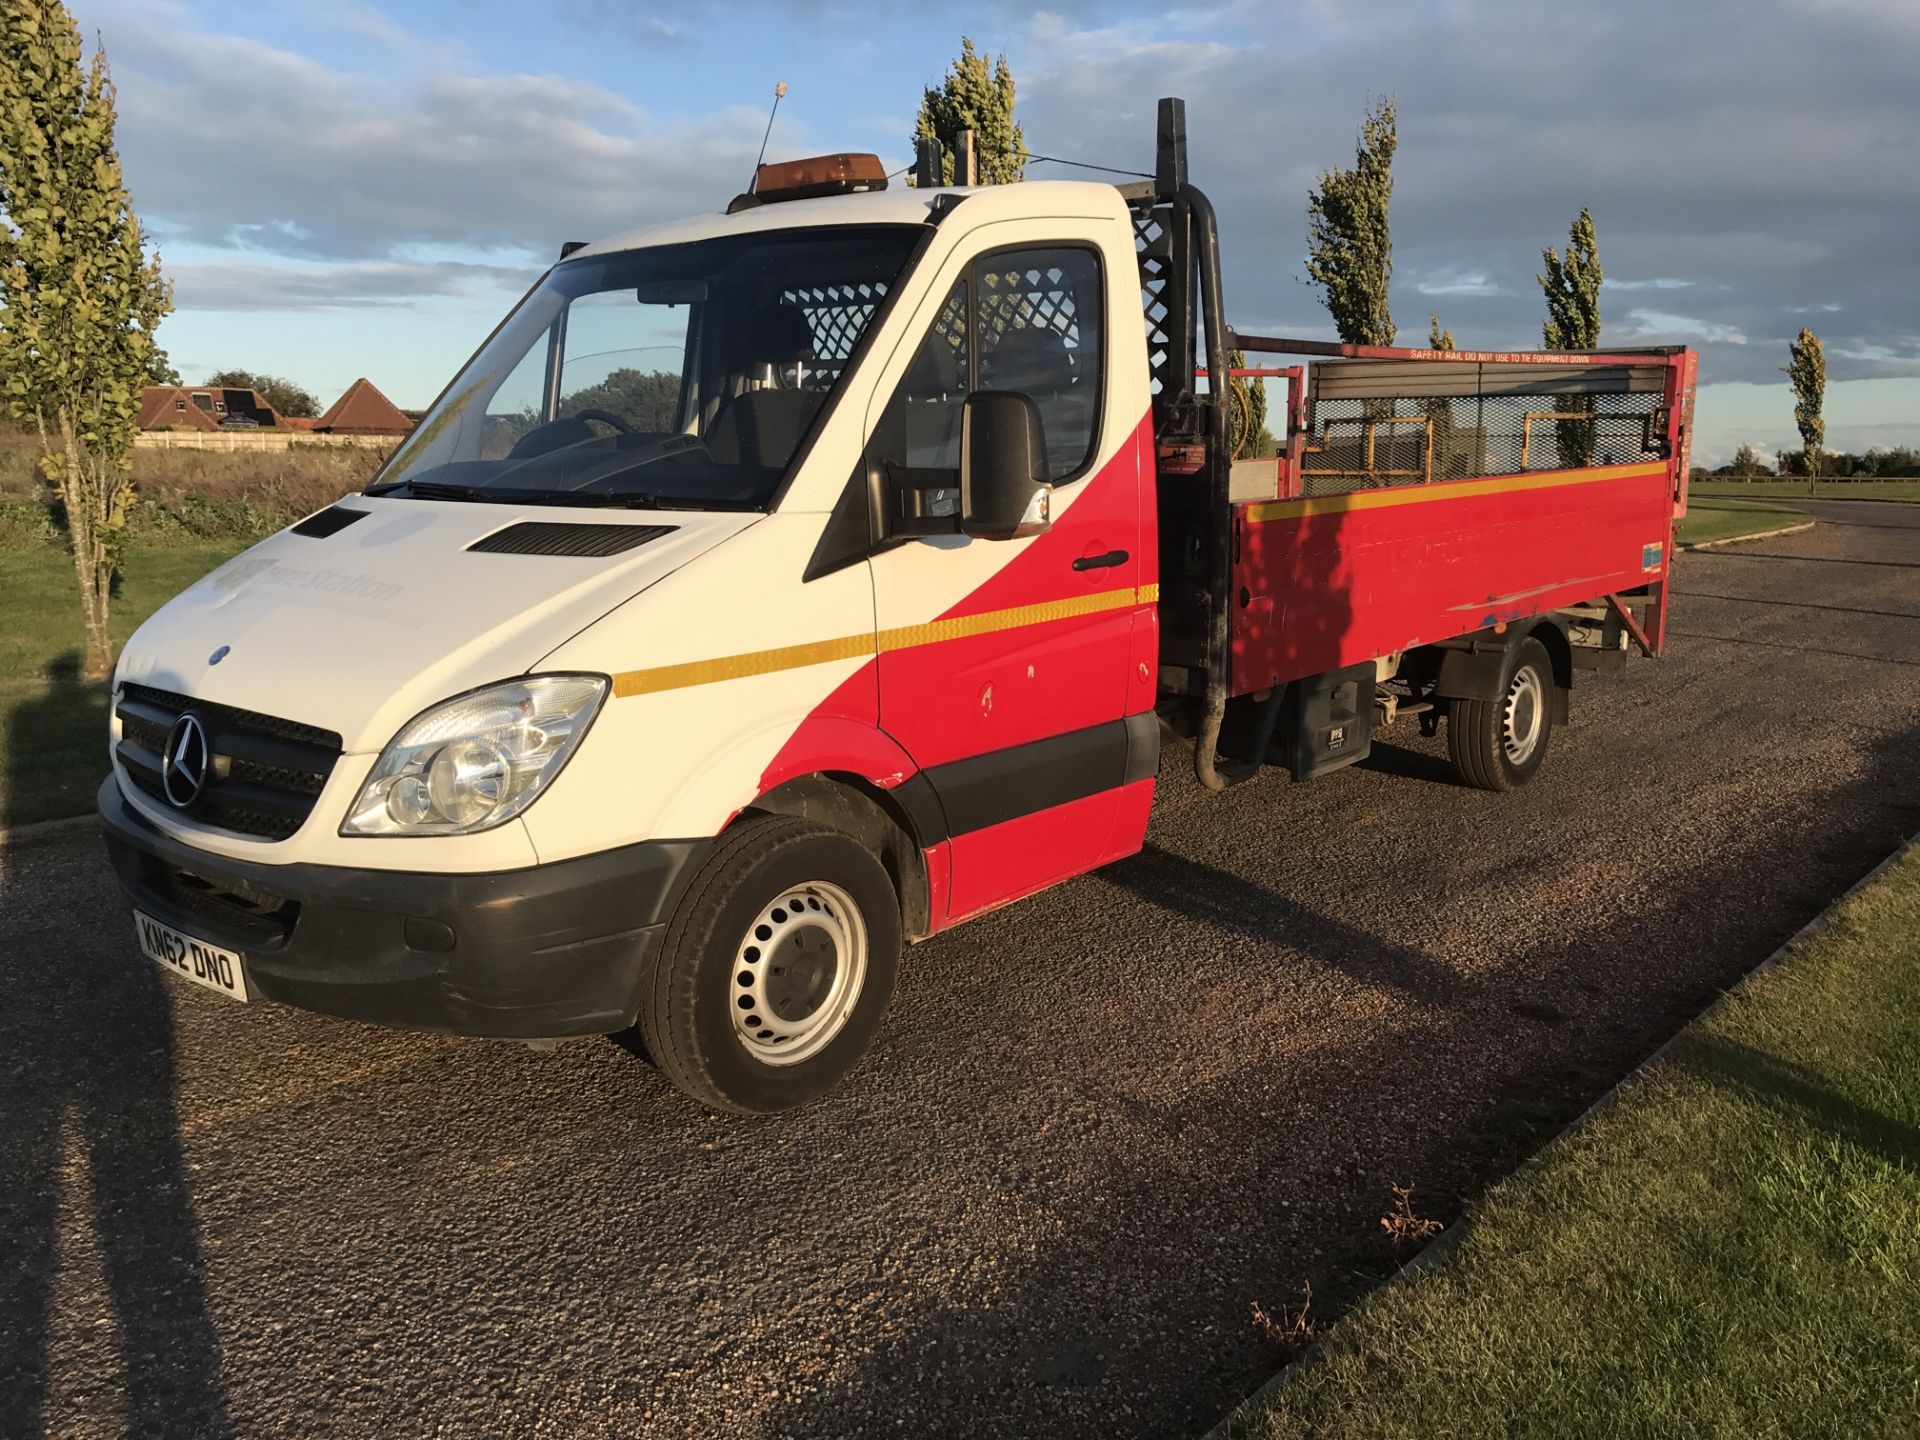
x: 1208, y: 896
x: 1792, y: 1090
x: 87, y: 1075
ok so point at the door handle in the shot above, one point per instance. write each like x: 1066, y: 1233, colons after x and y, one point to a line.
x: 1101, y: 562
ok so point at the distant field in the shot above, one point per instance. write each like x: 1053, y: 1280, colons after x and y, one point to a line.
x: 191, y: 496
x: 1797, y: 489
x: 1712, y: 519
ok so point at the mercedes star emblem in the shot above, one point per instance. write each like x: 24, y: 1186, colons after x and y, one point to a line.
x: 183, y: 769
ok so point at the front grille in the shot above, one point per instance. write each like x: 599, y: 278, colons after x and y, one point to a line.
x: 265, y: 775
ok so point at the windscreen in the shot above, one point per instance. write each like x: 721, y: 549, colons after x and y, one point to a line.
x: 677, y: 375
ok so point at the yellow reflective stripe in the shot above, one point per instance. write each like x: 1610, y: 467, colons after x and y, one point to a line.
x: 853, y: 647
x: 1445, y: 490
x: 735, y: 667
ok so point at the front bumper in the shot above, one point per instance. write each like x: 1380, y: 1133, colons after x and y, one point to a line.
x: 550, y: 950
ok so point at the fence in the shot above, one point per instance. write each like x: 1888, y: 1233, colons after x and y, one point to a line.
x: 257, y: 440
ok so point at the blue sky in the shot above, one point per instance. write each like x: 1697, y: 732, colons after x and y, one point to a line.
x: 349, y: 189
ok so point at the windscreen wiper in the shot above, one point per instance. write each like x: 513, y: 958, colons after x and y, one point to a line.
x: 605, y: 499
x: 434, y: 490
x: 642, y: 500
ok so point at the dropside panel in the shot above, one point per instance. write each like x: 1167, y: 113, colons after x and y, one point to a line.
x: 1334, y: 580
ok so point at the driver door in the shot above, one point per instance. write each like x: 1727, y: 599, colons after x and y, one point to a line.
x: 1003, y: 664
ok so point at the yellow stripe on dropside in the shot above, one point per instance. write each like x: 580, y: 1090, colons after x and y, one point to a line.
x: 854, y: 647
x: 1445, y: 490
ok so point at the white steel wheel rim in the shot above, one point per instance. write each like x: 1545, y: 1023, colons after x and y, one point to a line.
x: 1523, y: 716
x: 798, y: 973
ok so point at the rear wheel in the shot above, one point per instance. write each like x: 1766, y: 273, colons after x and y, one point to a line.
x: 776, y: 968
x: 1497, y: 744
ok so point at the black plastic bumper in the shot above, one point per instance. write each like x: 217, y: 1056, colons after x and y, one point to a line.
x: 550, y: 950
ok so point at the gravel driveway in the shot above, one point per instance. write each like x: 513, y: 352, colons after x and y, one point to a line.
x: 1099, y: 1125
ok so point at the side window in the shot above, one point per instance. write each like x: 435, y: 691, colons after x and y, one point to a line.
x: 1022, y: 320
x: 921, y: 427
x: 1037, y: 331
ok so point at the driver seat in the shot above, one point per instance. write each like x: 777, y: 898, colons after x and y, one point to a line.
x: 764, y: 427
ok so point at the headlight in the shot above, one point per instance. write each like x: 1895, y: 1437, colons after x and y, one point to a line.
x: 478, y: 760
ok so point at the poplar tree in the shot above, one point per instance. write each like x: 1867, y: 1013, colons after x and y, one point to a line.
x: 79, y: 297
x: 1572, y: 288
x: 1439, y: 409
x: 1807, y: 370
x: 978, y: 97
x: 1248, y: 412
x: 1349, y: 246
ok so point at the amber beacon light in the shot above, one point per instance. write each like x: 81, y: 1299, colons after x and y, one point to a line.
x: 842, y: 174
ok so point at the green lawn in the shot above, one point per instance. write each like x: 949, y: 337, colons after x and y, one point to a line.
x: 52, y: 726
x: 1797, y: 489
x: 1730, y: 519
x: 1732, y: 1249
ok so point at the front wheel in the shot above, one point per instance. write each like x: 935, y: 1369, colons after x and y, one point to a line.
x: 776, y: 968
x: 1497, y: 744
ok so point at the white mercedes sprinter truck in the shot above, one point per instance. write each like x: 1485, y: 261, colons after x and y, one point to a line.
x: 780, y: 586
x: 769, y: 589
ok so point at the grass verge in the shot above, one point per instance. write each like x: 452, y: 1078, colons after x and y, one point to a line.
x: 53, y: 727
x: 1797, y: 489
x: 1730, y: 519
x: 1732, y: 1248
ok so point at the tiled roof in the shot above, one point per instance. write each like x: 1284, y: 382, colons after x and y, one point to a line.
x: 158, y: 410
x: 363, y: 410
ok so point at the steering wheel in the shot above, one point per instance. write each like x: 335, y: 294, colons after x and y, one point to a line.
x: 605, y: 417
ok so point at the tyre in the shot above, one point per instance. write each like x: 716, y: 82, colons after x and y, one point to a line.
x: 776, y: 968
x: 1498, y: 744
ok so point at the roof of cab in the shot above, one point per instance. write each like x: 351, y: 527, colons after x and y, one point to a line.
x: 1033, y: 199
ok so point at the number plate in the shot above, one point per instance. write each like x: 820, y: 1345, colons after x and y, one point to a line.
x: 196, y: 960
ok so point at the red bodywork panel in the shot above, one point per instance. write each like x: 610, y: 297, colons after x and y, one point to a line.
x: 1333, y: 580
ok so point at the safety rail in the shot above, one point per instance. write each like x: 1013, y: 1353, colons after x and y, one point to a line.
x: 1374, y: 417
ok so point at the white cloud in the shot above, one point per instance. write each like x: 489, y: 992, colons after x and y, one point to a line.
x: 1663, y: 326
x: 1876, y: 353
x: 344, y: 167
x: 1662, y: 282
x: 252, y: 286
x: 1459, y: 282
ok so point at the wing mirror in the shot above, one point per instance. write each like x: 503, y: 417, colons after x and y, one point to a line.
x: 1005, y: 493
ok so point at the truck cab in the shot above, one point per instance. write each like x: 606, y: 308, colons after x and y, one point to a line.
x: 769, y: 588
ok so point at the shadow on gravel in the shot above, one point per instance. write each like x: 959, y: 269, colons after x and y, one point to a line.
x: 1788, y: 645
x: 1387, y: 758
x: 1208, y: 896
x: 1847, y: 560
x: 86, y: 1100
x: 1136, y: 1322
